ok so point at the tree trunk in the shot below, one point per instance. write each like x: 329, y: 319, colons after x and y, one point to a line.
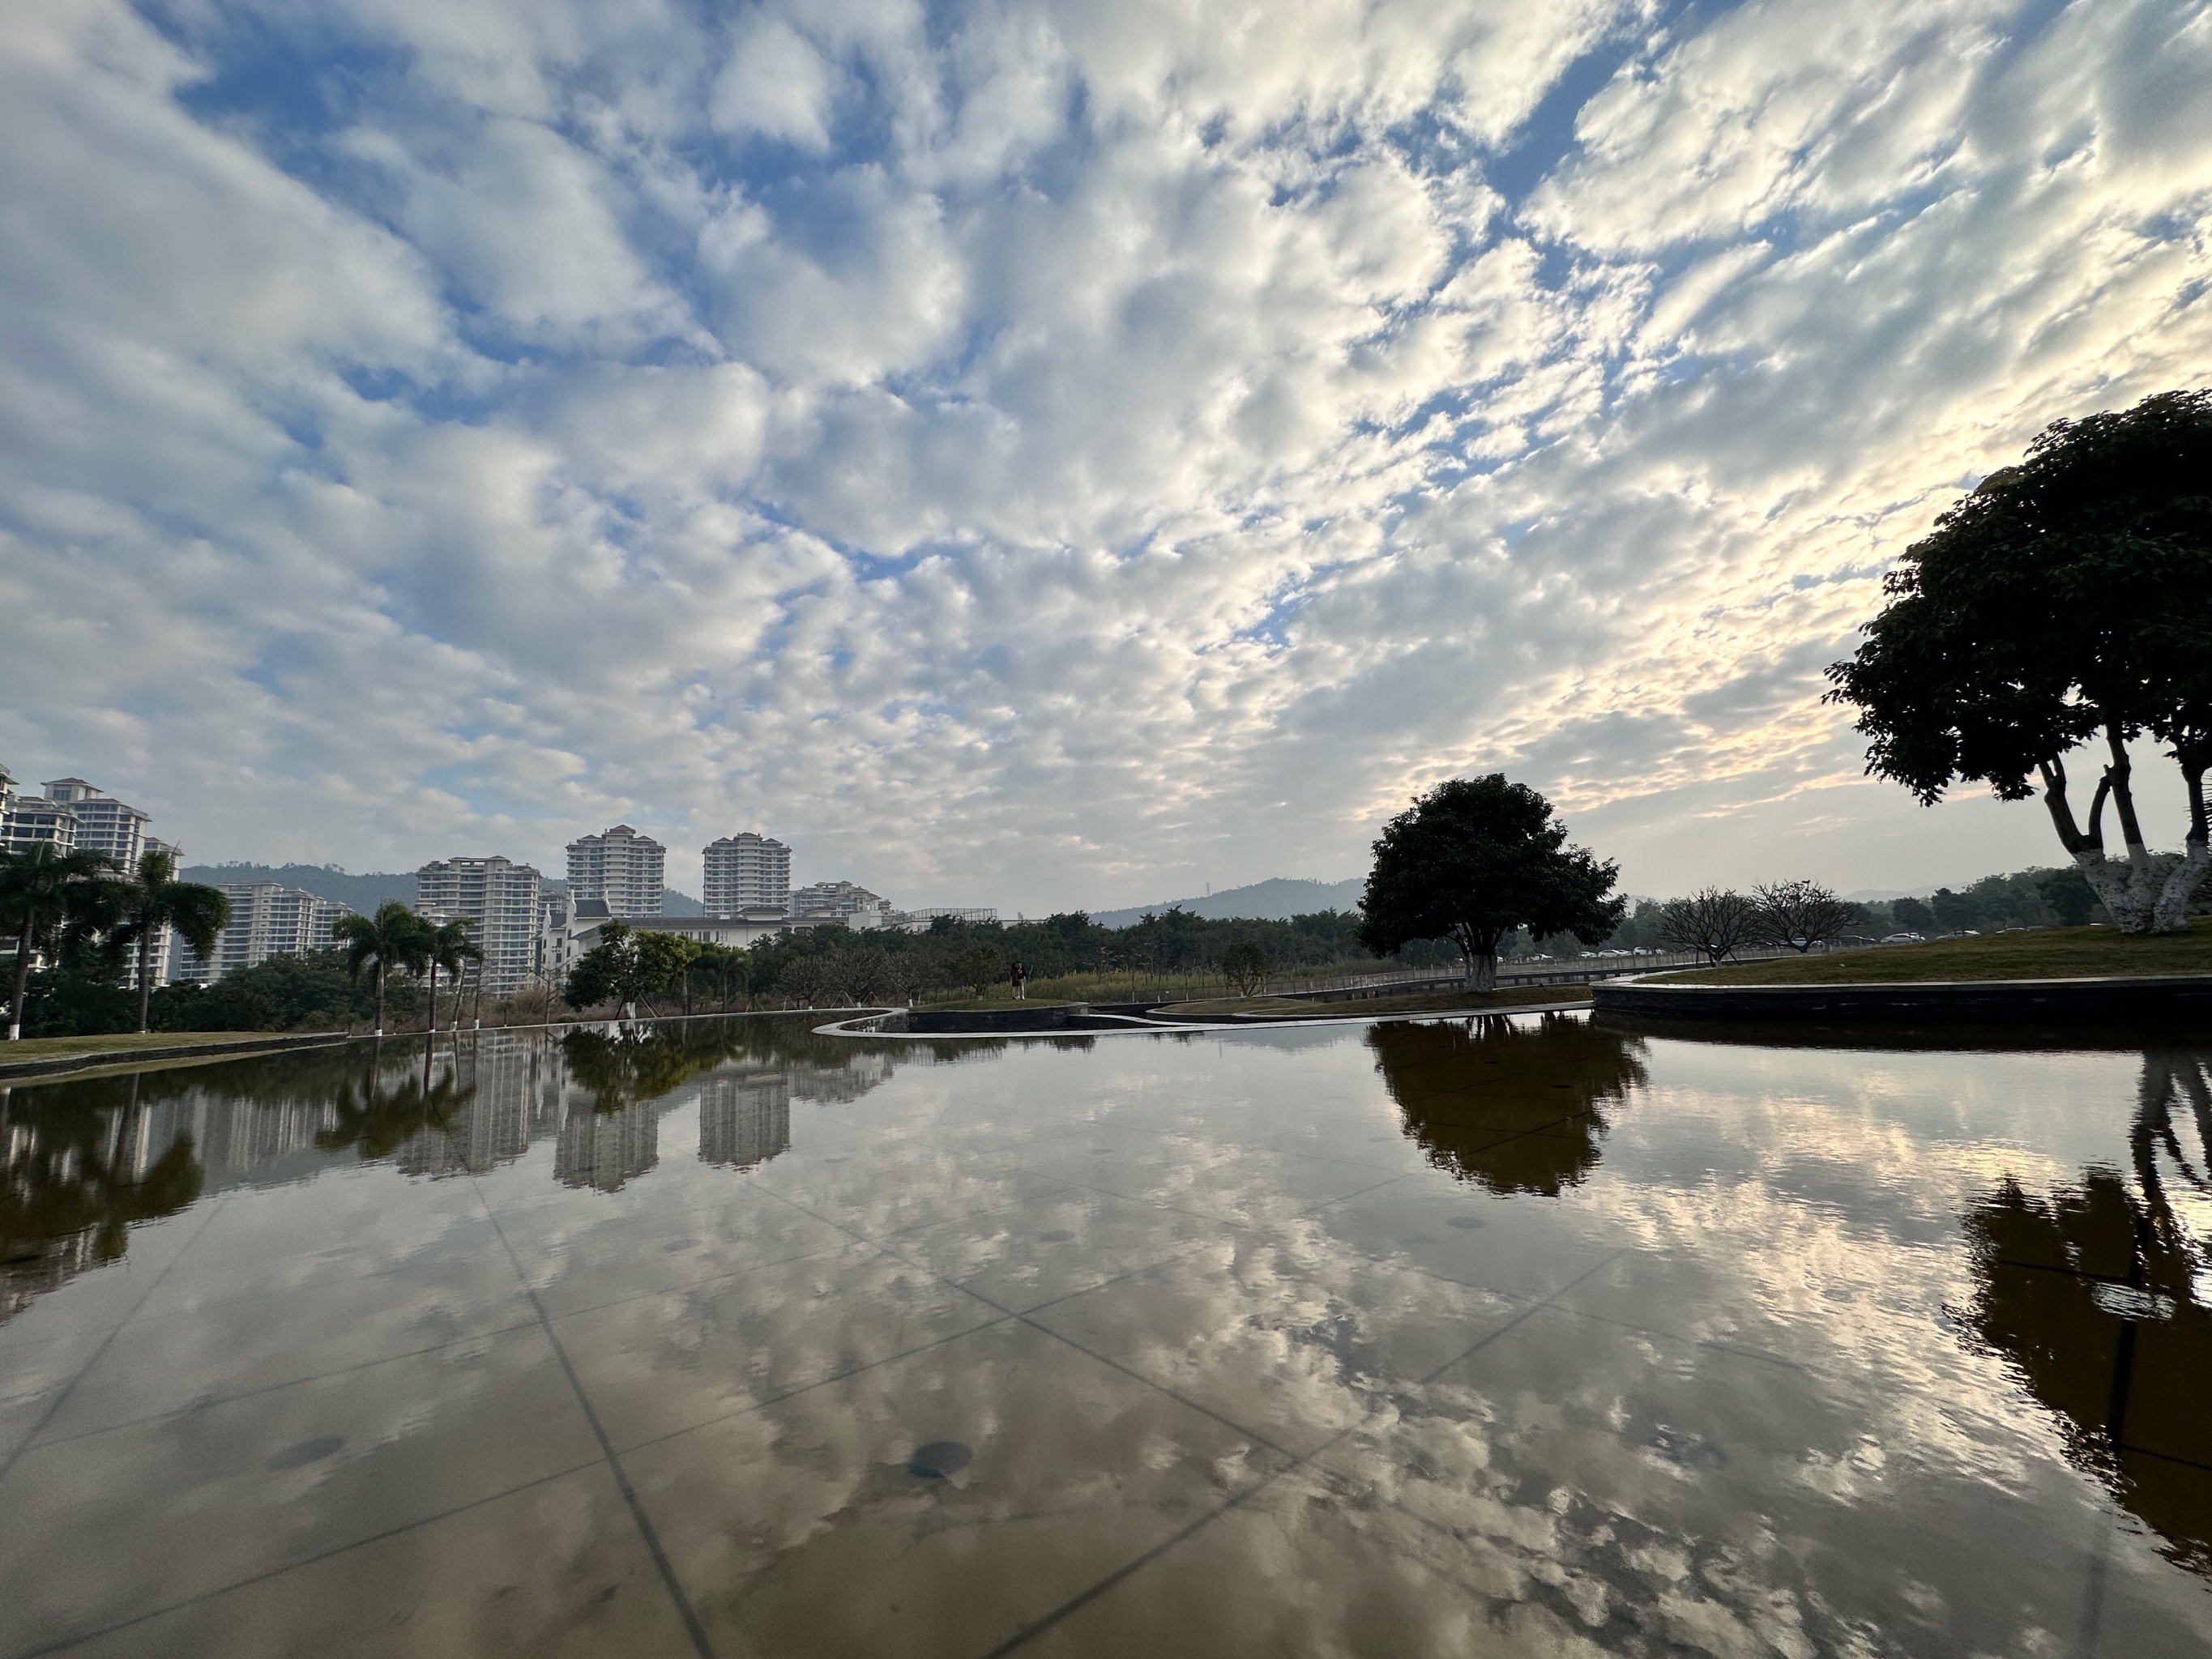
x: 22, y: 978
x: 1482, y: 970
x: 145, y: 974
x: 380, y: 997
x: 433, y: 1002
x: 2131, y: 890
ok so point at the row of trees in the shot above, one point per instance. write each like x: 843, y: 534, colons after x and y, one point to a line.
x: 79, y: 901
x: 657, y: 973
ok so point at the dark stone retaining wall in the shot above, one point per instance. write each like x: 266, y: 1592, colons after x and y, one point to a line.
x: 1049, y: 1017
x: 1985, y: 1001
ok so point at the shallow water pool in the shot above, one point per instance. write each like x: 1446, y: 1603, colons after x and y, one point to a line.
x: 1505, y: 1336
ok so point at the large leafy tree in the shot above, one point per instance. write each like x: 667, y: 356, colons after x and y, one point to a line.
x: 628, y: 966
x: 394, y: 937
x: 2067, y: 601
x: 1473, y: 861
x: 41, y: 889
x: 153, y: 900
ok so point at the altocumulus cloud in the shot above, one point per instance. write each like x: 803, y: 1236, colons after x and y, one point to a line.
x: 1042, y: 452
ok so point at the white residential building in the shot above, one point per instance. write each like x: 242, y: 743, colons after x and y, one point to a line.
x: 748, y: 927
x: 747, y: 871
x: 841, y: 901
x: 104, y: 824
x: 620, y: 867
x: 917, y: 922
x: 267, y: 919
x: 502, y: 898
x: 28, y: 818
x: 554, y: 959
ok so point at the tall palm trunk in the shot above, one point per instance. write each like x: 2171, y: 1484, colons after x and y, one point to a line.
x: 379, y: 996
x: 145, y: 975
x: 23, y: 977
x: 433, y: 1002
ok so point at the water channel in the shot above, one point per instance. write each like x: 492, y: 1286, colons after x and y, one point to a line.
x: 1527, y: 1335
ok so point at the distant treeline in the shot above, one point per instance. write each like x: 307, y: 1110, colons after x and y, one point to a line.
x: 84, y: 993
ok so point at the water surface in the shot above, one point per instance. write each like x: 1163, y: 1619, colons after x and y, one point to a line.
x: 1503, y: 1336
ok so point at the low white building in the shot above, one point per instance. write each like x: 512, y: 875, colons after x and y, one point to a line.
x: 841, y: 901
x: 588, y: 916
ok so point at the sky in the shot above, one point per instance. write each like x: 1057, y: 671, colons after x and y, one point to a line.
x: 1043, y: 454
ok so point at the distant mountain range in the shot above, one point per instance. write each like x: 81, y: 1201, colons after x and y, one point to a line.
x: 1277, y: 899
x: 364, y: 892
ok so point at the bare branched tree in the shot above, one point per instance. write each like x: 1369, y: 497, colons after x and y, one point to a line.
x: 1800, y: 914
x: 1713, y: 922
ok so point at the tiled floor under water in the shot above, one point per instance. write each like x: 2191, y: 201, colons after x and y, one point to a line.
x: 1501, y: 1337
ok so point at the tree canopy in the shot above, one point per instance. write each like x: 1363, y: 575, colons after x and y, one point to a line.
x: 1475, y: 859
x: 2067, y: 600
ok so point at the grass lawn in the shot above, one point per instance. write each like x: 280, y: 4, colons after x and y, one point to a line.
x: 55, y: 1048
x: 2047, y: 953
x: 1417, y: 1002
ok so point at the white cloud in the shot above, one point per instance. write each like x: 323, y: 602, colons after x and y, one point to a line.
x: 1060, y: 453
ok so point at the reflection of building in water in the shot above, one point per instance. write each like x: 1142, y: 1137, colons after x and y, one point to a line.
x: 605, y: 1149
x: 830, y: 1085
x: 744, y: 1119
x: 507, y: 1086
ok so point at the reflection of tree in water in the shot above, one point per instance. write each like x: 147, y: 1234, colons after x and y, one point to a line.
x: 1510, y: 1105
x: 377, y: 1116
x: 72, y: 1185
x: 2096, y: 1295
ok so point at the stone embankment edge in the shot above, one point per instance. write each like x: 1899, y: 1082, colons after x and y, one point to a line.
x: 1965, y: 999
x: 1101, y: 1023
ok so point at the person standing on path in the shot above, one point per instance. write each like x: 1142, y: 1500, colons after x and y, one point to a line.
x: 1018, y: 977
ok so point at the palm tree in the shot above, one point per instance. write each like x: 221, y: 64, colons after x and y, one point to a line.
x: 154, y: 899
x: 395, y: 937
x: 449, y: 947
x: 41, y: 887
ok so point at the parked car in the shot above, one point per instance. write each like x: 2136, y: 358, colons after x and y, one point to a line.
x: 1903, y: 938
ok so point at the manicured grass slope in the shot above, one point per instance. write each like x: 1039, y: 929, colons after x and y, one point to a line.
x: 53, y: 1048
x: 2051, y: 953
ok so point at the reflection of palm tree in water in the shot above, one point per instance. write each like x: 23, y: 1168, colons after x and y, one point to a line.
x: 1510, y: 1105
x: 2096, y: 1296
x: 71, y: 1189
x: 379, y: 1120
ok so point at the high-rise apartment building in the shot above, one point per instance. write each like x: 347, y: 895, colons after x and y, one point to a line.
x: 746, y: 872
x: 104, y: 824
x: 621, y: 866
x: 26, y: 819
x: 267, y: 919
x: 502, y: 898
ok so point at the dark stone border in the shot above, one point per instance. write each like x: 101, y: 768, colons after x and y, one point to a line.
x: 60, y: 1065
x: 1987, y: 1001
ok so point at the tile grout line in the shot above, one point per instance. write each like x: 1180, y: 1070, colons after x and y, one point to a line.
x: 62, y: 1643
x: 62, y: 1396
x: 1022, y: 1637
x: 643, y: 1521
x: 293, y: 1382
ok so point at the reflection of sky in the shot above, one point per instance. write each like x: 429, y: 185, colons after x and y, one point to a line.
x: 1748, y: 1367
